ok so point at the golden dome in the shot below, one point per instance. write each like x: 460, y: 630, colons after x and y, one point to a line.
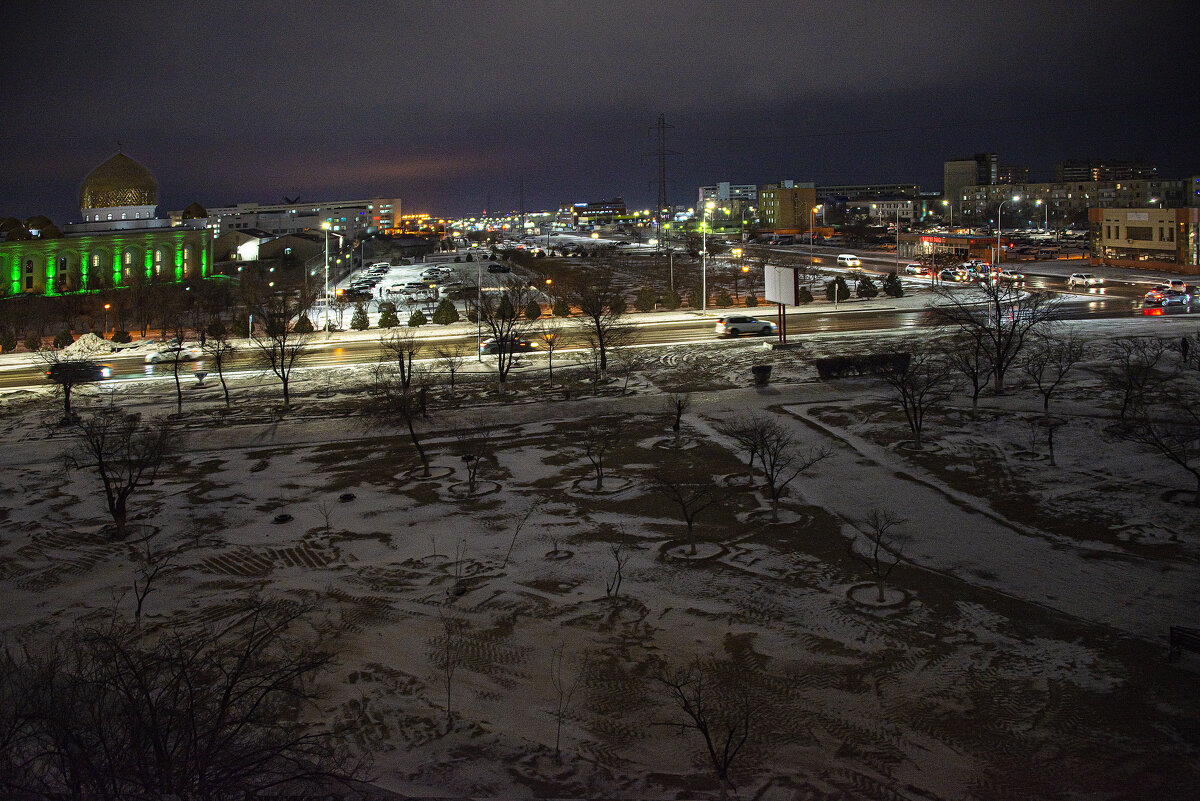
x: 120, y: 181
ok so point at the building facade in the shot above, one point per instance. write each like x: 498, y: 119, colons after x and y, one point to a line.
x: 725, y: 192
x: 1067, y: 202
x: 351, y: 218
x: 1149, y: 237
x: 850, y: 193
x: 1077, y: 170
x: 119, y: 243
x: 982, y: 169
x: 786, y: 207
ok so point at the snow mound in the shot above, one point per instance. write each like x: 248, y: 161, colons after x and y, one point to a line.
x: 87, y: 345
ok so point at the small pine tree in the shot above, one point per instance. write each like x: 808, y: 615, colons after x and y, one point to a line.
x: 804, y: 296
x: 723, y: 300
x: 32, y: 343
x: 458, y: 259
x: 387, y: 316
x: 417, y: 319
x: 645, y: 300
x: 63, y: 338
x: 696, y: 298
x: 840, y: 287
x: 533, y: 310
x: 505, y: 310
x: 752, y: 301
x: 121, y: 337
x: 892, y: 286
x: 562, y: 308
x: 866, y: 288
x: 216, y: 329
x: 671, y: 300
x: 469, y: 257
x: 359, y: 321
x: 303, y: 325
x: 618, y: 305
x: 8, y: 341
x: 445, y: 313
x: 473, y: 315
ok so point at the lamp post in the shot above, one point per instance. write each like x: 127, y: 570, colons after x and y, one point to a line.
x: 107, y: 306
x: 1000, y: 211
x: 812, y: 223
x: 708, y: 207
x: 479, y: 310
x: 1039, y: 202
x: 326, y: 226
x: 950, y: 208
x: 897, y: 239
x: 737, y: 254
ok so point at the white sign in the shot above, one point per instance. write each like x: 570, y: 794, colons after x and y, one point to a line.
x: 1139, y: 216
x: 783, y: 285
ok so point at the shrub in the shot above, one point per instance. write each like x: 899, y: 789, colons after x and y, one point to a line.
x: 892, y: 286
x: 388, y: 317
x: 645, y: 300
x: 303, y: 325
x: 469, y: 257
x: 696, y: 298
x: 445, y: 313
x: 863, y: 364
x: 839, y: 286
x: 215, y: 329
x: 458, y: 259
x: 417, y: 319
x: 32, y: 342
x: 8, y: 341
x: 533, y: 310
x: 752, y: 300
x: 359, y: 321
x: 562, y: 308
x: 473, y: 315
x: 804, y: 296
x: 121, y: 337
x: 866, y: 288
x: 723, y: 300
x: 618, y: 305
x: 671, y: 300
x: 63, y: 338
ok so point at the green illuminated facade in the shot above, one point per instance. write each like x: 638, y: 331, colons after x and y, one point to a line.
x: 91, y: 262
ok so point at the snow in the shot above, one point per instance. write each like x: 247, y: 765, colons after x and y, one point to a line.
x: 1021, y: 645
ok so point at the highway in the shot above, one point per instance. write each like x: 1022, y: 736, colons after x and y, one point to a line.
x: 1116, y: 299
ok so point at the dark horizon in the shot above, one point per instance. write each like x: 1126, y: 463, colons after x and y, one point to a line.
x: 447, y: 110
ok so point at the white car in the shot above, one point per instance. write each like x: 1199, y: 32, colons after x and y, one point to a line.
x: 733, y: 326
x: 174, y: 353
x: 1084, y: 279
x: 849, y: 260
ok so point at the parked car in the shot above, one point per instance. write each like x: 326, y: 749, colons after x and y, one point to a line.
x: 515, y: 345
x: 78, y: 372
x: 174, y: 353
x: 1084, y: 279
x: 848, y: 260
x: 735, y: 325
x: 497, y: 267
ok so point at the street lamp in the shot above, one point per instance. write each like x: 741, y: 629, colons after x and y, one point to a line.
x: 897, y: 239
x: 737, y: 254
x: 999, y: 211
x: 1039, y: 202
x: 708, y: 207
x: 946, y: 203
x: 812, y: 223
x: 107, y: 306
x: 326, y: 226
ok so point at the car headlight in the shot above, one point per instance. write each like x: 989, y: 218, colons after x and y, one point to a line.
x: 105, y: 372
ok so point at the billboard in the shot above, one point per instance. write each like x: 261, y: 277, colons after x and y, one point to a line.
x: 782, y: 284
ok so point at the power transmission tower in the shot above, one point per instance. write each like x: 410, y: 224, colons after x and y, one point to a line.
x: 662, y: 174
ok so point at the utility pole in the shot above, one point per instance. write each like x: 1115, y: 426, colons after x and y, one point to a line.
x: 661, y: 152
x: 522, y: 205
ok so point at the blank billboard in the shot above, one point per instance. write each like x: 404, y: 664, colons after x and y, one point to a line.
x: 783, y: 285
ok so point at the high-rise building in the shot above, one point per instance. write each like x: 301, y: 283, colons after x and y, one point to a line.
x: 786, y: 207
x: 1103, y: 170
x: 982, y: 169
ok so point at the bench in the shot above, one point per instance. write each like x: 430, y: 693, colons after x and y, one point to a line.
x: 1183, y: 639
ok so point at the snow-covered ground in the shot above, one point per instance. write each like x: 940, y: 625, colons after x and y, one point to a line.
x: 1021, y: 653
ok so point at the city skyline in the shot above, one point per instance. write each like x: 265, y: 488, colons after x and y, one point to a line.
x: 454, y: 111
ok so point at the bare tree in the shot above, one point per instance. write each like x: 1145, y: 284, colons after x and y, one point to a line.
x: 782, y: 461
x: 450, y: 357
x: 602, y: 321
x: 218, y: 346
x: 921, y: 384
x: 516, y: 532
x: 474, y: 445
x: 206, y: 712
x: 597, y: 441
x: 402, y: 346
x: 67, y: 374
x: 612, y: 586
x: 449, y: 652
x: 692, y: 499
x: 1049, y: 362
x: 747, y: 432
x: 151, y: 562
x: 550, y: 333
x: 884, y: 548
x: 1132, y: 369
x: 999, y: 316
x: 125, y: 453
x: 713, y: 705
x: 1167, y: 419
x: 971, y: 359
x: 280, y: 348
x: 564, y: 685
x: 503, y: 315
x: 396, y: 398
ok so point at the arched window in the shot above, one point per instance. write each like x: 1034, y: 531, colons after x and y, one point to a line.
x: 158, y: 256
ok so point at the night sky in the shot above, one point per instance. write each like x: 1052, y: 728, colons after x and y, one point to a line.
x: 451, y: 106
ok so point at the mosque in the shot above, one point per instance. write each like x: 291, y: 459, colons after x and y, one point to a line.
x: 118, y: 243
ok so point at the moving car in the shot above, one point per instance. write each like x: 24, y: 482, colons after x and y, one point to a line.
x: 734, y: 325
x: 77, y: 372
x: 515, y: 345
x: 1167, y: 297
x: 848, y: 260
x: 915, y: 269
x: 174, y: 353
x: 1084, y: 279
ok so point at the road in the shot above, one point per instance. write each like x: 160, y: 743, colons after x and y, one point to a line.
x: 1117, y: 299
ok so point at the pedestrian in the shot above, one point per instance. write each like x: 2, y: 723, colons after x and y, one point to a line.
x: 1185, y: 345
x: 202, y: 335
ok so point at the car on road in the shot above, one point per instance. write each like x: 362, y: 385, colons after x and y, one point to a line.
x: 736, y: 325
x: 1084, y: 279
x: 1179, y: 286
x: 497, y: 267
x: 515, y: 345
x: 1164, y: 296
x: 174, y: 353
x: 848, y: 260
x: 78, y: 372
x: 916, y: 269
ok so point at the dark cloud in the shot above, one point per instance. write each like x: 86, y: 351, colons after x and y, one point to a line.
x: 451, y: 105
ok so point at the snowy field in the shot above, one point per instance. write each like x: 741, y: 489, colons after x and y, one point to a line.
x: 1020, y: 652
